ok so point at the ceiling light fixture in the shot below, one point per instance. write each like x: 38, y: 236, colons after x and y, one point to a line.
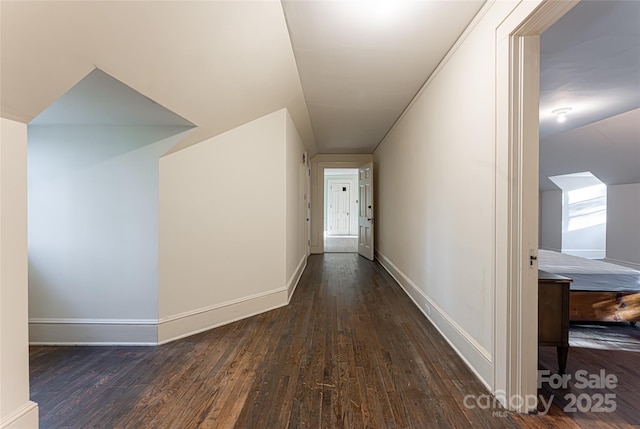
x: 562, y: 113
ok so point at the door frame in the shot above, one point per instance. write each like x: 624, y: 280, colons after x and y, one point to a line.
x: 515, y: 347
x: 307, y: 204
x: 318, y: 166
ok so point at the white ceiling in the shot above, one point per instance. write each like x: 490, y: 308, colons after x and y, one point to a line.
x: 590, y: 61
x: 610, y: 149
x: 218, y: 64
x: 361, y: 62
x: 344, y: 71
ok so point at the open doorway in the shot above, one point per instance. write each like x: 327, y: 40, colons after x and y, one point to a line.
x: 340, y: 231
x: 589, y: 187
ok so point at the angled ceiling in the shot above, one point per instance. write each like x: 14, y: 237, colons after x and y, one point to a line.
x: 610, y: 149
x: 99, y: 99
x: 345, y: 70
x: 361, y: 62
x: 590, y: 61
x: 218, y: 64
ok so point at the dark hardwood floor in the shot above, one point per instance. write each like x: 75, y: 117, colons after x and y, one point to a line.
x: 350, y: 351
x: 613, y: 348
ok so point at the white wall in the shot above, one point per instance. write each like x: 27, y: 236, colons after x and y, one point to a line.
x: 296, y: 224
x: 436, y: 191
x: 623, y: 224
x: 93, y: 232
x: 587, y: 242
x: 16, y: 411
x: 227, y: 238
x: 550, y: 228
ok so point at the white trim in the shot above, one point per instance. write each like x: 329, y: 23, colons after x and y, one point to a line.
x: 633, y: 265
x: 203, y: 319
x: 73, y: 321
x: 93, y: 343
x: 295, y: 278
x: 516, y: 197
x: 151, y: 332
x: 90, y: 332
x: 25, y: 416
x: 476, y: 357
x: 210, y: 308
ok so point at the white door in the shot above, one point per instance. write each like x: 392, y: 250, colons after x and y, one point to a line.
x: 365, y: 212
x: 339, y: 206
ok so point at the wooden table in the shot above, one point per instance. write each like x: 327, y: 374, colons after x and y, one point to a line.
x: 553, y: 314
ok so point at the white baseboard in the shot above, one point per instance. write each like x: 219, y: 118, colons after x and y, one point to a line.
x: 193, y: 322
x: 99, y: 332
x: 295, y: 278
x: 25, y: 417
x: 93, y: 332
x: 317, y: 249
x: 627, y: 264
x: 476, y: 357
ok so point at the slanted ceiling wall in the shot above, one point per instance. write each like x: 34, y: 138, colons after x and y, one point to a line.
x: 232, y: 240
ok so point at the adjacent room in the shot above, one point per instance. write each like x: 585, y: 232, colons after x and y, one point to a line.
x: 341, y: 210
x: 589, y: 181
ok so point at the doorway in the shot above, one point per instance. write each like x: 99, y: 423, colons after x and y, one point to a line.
x: 340, y: 231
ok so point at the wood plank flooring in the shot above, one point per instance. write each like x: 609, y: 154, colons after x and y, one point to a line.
x: 350, y: 351
x: 610, y: 347
x: 340, y: 244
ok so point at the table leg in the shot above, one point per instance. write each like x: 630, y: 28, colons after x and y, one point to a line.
x: 563, y: 351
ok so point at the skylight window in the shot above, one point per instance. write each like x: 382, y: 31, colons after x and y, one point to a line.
x: 587, y: 207
x: 584, y: 214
